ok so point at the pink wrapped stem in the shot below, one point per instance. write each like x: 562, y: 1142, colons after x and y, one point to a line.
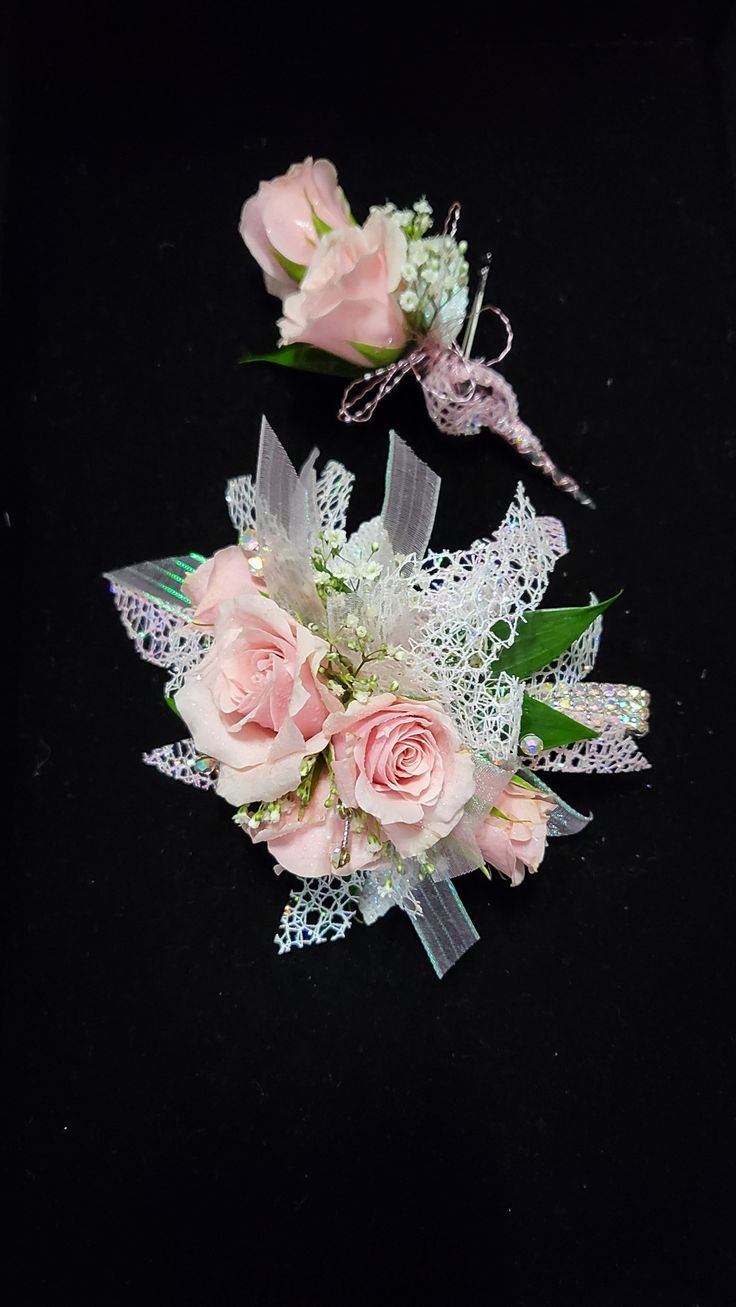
x: 463, y: 395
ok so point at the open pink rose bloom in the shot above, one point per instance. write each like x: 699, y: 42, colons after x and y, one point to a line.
x: 371, y: 710
x: 347, y: 294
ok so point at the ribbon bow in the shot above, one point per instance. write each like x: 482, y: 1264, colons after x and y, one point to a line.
x: 463, y: 394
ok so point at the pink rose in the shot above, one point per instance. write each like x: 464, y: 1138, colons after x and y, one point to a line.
x: 278, y: 222
x: 304, y: 844
x: 401, y: 761
x: 516, y: 841
x: 222, y: 577
x: 347, y: 296
x: 255, y: 703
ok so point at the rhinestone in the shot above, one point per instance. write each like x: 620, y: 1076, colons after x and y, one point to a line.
x: 531, y: 745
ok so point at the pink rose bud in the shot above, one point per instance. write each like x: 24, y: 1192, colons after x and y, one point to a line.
x: 282, y: 223
x: 347, y: 297
x: 515, y: 841
x: 224, y: 576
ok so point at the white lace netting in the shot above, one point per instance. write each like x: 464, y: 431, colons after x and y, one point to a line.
x: 334, y: 487
x: 240, y: 497
x: 191, y: 649
x: 323, y: 909
x: 613, y: 751
x: 470, y: 605
x: 156, y: 632
x: 179, y: 761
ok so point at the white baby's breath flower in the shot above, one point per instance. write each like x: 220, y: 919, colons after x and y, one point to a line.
x: 418, y: 253
x: 408, y: 301
x: 334, y: 538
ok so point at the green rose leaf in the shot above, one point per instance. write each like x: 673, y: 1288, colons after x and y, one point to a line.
x: 305, y: 358
x: 544, y: 634
x: 294, y: 270
x: 377, y: 355
x: 554, y: 728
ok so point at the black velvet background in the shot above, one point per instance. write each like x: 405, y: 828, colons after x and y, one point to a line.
x: 193, y: 1119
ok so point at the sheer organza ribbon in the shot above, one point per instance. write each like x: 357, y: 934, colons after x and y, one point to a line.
x: 288, y: 525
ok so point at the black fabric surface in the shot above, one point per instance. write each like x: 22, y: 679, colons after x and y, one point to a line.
x: 192, y: 1118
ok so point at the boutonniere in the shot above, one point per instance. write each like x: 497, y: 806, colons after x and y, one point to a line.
x: 379, y: 300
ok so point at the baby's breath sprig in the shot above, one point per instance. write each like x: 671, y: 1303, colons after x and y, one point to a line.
x: 251, y: 816
x: 436, y: 267
x: 414, y: 222
x: 309, y: 772
x: 338, y: 574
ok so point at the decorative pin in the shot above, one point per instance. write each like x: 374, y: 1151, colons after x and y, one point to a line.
x: 340, y: 855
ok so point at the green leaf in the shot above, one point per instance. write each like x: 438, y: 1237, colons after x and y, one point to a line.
x: 294, y: 270
x: 554, y: 728
x: 169, y: 701
x: 525, y: 785
x: 544, y: 634
x: 305, y: 358
x: 320, y: 227
x: 377, y: 355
